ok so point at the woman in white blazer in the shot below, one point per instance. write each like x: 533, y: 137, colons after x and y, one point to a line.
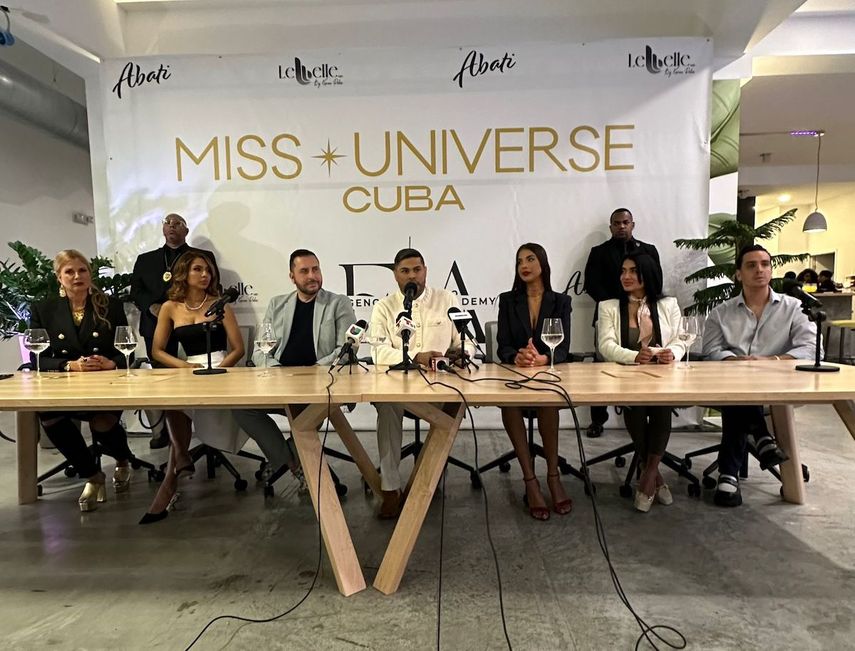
x: 641, y: 328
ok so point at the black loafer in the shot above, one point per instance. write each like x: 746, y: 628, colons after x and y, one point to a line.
x: 727, y: 498
x: 769, y: 454
x: 595, y: 430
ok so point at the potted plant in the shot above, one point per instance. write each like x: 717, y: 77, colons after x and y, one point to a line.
x: 727, y: 236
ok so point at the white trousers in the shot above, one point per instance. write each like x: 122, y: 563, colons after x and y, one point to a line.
x: 390, y: 434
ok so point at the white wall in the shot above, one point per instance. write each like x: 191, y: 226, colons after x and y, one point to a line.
x: 43, y: 180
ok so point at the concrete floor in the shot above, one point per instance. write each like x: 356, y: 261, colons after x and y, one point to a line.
x: 766, y: 575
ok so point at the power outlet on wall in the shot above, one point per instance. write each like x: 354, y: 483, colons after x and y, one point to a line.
x: 80, y: 218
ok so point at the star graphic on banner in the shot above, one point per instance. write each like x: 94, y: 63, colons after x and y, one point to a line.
x: 328, y: 157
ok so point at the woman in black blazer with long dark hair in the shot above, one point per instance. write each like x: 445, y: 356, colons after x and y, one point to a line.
x: 521, y: 314
x: 81, y: 323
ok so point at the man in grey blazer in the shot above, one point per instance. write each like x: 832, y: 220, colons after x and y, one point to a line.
x: 310, y: 325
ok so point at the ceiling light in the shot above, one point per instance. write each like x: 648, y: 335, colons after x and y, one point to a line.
x: 784, y: 198
x: 816, y: 222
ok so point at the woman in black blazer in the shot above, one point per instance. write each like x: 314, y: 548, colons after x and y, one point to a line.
x: 521, y: 314
x: 80, y: 324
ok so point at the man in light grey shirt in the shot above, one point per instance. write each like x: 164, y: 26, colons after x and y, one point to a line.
x: 757, y: 324
x: 310, y: 325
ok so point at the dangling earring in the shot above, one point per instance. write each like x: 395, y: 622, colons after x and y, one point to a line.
x: 61, y: 291
x: 91, y: 290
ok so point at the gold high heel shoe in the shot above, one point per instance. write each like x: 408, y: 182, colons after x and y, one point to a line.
x: 122, y: 478
x: 93, y: 493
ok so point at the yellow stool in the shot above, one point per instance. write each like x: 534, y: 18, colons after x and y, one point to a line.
x: 844, y: 325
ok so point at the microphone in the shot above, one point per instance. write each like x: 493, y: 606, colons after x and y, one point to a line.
x: 410, y: 290
x: 794, y: 288
x: 404, y: 327
x: 440, y: 364
x: 460, y: 319
x: 229, y: 296
x: 353, y: 337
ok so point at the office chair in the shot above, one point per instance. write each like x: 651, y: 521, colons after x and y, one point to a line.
x: 535, y: 449
x: 154, y: 474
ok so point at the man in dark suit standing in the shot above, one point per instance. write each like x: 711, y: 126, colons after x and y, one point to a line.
x: 150, y: 280
x: 602, y: 280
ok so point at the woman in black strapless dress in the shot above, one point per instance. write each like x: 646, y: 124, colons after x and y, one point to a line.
x: 193, y: 291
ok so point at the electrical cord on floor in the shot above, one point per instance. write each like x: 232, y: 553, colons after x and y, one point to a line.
x: 486, y: 518
x: 647, y: 631
x: 6, y: 438
x: 439, y: 582
x: 266, y: 620
x: 139, y: 414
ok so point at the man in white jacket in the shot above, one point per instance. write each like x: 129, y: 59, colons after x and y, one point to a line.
x: 434, y: 335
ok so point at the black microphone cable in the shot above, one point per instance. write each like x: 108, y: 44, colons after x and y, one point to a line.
x: 266, y: 620
x: 553, y: 385
x: 468, y: 411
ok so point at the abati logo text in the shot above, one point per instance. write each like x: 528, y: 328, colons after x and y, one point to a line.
x: 673, y: 63
x: 325, y: 74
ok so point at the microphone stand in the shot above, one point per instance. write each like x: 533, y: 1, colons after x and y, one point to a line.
x: 466, y: 362
x: 817, y: 316
x: 406, y: 364
x: 208, y: 326
x: 349, y: 359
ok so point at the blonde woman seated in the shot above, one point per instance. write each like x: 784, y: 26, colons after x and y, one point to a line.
x: 641, y: 327
x: 193, y: 291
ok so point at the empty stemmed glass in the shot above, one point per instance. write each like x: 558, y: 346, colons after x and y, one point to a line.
x: 552, y: 335
x: 265, y: 341
x: 376, y: 336
x: 690, y: 329
x: 36, y: 340
x: 125, y: 341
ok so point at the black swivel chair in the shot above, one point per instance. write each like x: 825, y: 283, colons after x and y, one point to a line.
x: 154, y: 474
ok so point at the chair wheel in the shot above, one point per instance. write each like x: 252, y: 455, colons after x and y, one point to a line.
x: 39, y: 490
x: 805, y: 473
x: 687, y: 463
x: 340, y: 489
x: 694, y: 490
x: 70, y: 472
x: 504, y: 467
x: 708, y: 482
x: 135, y: 464
x: 625, y: 490
x: 475, y: 480
x: 268, y: 491
x: 620, y: 462
x: 258, y: 475
x: 156, y: 475
x: 565, y: 468
x: 240, y: 484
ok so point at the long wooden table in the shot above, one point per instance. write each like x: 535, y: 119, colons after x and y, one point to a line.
x: 774, y: 383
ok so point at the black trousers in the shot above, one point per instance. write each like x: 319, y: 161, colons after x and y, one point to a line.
x: 67, y: 438
x: 737, y: 423
x: 650, y: 429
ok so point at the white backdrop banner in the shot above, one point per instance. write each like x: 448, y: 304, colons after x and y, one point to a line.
x: 463, y: 153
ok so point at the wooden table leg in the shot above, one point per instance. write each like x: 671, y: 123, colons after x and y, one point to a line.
x: 27, y: 450
x: 433, y: 459
x: 846, y: 410
x: 354, y: 447
x: 339, y: 546
x: 791, y: 471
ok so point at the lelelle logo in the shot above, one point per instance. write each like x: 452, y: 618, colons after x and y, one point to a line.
x: 133, y: 76
x: 324, y: 74
x: 673, y: 63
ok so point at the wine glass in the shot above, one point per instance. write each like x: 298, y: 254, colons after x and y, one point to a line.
x: 265, y: 341
x: 376, y: 336
x: 552, y: 335
x: 689, y: 330
x: 36, y: 340
x: 125, y: 341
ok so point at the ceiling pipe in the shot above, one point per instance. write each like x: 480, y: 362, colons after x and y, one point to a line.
x: 31, y: 100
